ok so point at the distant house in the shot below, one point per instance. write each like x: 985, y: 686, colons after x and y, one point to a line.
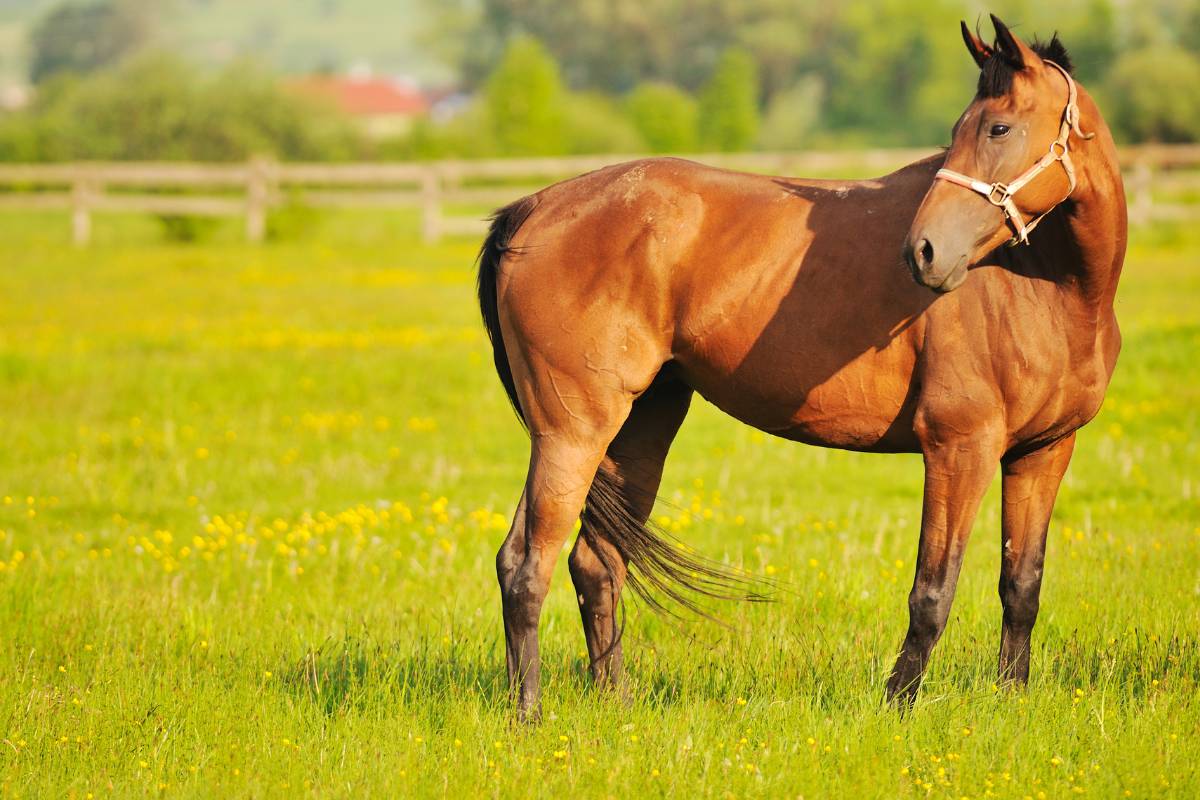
x: 14, y: 97
x: 383, y: 107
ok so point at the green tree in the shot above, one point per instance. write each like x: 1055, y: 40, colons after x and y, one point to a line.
x: 1154, y: 95
x: 524, y: 98
x: 1092, y: 38
x: 158, y: 107
x: 594, y: 124
x: 665, y: 115
x: 792, y: 116
x: 898, y: 69
x: 612, y: 45
x: 729, y: 103
x: 80, y: 37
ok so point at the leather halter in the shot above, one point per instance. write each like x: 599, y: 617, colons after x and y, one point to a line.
x: 1001, y: 194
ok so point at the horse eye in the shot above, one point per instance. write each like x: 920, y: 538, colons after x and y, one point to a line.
x: 999, y: 130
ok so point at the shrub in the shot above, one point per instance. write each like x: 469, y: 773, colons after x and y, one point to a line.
x: 157, y: 107
x: 665, y: 116
x: 729, y: 103
x: 187, y: 229
x: 1170, y: 112
x: 593, y: 124
x: 524, y: 98
x: 792, y: 116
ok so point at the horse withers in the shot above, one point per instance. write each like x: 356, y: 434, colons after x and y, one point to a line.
x: 791, y: 305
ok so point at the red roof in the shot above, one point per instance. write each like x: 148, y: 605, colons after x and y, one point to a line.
x: 366, y: 96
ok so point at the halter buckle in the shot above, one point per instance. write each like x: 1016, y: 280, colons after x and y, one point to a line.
x: 1058, y: 149
x: 999, y: 194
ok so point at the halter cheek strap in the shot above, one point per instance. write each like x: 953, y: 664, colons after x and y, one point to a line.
x: 1001, y: 194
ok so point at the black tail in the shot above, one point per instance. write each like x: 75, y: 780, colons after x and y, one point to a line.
x: 661, y: 570
x: 505, y: 223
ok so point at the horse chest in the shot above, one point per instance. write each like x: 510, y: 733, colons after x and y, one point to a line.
x: 1051, y: 385
x: 1035, y: 370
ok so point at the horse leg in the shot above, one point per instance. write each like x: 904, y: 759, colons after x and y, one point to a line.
x: 957, y: 474
x: 572, y: 421
x: 561, y: 472
x: 1030, y: 485
x: 598, y: 568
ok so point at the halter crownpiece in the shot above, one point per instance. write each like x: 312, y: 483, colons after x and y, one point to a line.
x: 1001, y: 194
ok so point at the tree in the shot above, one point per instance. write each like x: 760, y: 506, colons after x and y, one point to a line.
x: 792, y: 116
x: 81, y: 37
x: 612, y: 45
x: 898, y: 69
x: 664, y: 115
x: 524, y: 98
x: 157, y: 107
x: 1154, y: 95
x: 594, y: 124
x: 729, y: 103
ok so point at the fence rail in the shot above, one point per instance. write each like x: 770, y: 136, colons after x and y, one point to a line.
x: 438, y: 188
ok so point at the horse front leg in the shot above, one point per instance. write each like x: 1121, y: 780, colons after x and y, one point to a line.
x: 1030, y: 487
x: 957, y: 474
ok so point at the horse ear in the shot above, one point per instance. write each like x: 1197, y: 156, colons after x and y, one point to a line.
x: 975, y: 46
x: 1015, y: 52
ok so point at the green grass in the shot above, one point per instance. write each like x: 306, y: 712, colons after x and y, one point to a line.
x: 250, y: 499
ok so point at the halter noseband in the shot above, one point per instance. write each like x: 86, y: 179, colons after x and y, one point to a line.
x: 1001, y: 194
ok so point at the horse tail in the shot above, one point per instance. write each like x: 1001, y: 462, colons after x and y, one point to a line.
x: 662, y: 572
x: 505, y: 224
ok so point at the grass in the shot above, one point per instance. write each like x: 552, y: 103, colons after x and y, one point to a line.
x: 250, y: 499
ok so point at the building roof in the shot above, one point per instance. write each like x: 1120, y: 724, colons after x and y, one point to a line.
x: 366, y: 97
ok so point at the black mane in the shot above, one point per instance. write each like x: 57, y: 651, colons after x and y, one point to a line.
x: 996, y: 75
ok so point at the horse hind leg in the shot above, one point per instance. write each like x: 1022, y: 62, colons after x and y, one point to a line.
x: 567, y: 448
x: 629, y: 477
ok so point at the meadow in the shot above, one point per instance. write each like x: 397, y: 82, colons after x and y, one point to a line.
x: 250, y: 499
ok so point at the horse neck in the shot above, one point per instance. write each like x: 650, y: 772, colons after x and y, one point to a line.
x: 1095, y: 216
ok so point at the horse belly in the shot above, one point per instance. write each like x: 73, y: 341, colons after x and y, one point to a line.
x: 864, y: 405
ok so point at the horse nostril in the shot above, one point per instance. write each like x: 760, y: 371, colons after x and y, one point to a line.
x: 926, y: 251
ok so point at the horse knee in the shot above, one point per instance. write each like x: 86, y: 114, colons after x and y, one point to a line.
x: 1020, y: 599
x: 928, y: 609
x: 506, y: 566
x: 523, y: 599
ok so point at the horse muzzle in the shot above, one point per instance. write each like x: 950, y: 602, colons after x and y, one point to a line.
x: 931, y: 268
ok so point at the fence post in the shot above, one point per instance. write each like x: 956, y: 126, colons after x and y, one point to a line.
x: 82, y: 190
x: 1143, y: 198
x: 431, y: 209
x: 257, y: 197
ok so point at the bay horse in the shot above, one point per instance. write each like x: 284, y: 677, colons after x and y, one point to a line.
x: 611, y: 297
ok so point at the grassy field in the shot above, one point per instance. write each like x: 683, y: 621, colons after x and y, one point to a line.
x: 251, y: 498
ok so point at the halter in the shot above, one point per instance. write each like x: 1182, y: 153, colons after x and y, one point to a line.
x: 1001, y: 194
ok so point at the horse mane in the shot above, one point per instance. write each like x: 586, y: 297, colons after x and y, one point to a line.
x: 996, y: 75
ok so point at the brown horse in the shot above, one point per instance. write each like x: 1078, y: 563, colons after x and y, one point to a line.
x: 611, y: 297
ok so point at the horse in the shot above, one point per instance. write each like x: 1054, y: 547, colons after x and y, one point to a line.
x: 880, y: 316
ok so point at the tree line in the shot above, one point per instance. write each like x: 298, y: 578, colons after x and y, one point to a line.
x: 593, y: 76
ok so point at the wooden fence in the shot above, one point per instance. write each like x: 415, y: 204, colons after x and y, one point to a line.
x: 1163, y: 183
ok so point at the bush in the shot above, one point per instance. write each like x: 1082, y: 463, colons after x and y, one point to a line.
x: 187, y: 229
x: 1154, y: 95
x: 81, y: 37
x: 792, y: 116
x: 293, y: 220
x: 467, y: 135
x: 157, y: 107
x: 593, y: 124
x: 524, y: 98
x: 665, y: 116
x: 729, y: 103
